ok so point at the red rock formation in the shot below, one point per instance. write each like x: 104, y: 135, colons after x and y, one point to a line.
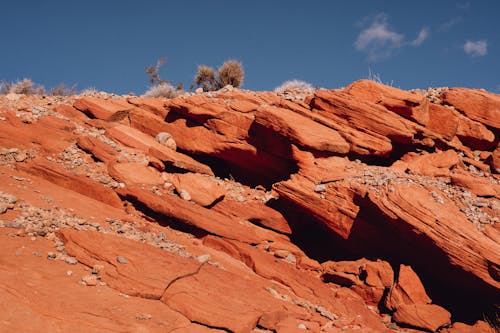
x: 255, y: 220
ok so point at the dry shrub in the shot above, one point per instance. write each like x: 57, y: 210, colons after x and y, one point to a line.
x: 205, y: 78
x: 231, y: 72
x: 63, y: 90
x: 294, y: 85
x: 162, y: 90
x: 26, y: 87
x: 4, y: 87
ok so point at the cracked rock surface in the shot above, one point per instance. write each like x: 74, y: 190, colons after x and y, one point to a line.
x: 364, y: 209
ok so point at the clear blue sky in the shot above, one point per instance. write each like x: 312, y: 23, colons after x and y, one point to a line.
x: 107, y: 44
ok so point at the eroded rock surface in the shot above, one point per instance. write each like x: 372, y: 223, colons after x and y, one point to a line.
x: 364, y: 209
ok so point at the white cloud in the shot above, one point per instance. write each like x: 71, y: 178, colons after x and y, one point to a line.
x: 476, y: 49
x: 378, y: 40
x: 446, y: 26
x: 422, y: 36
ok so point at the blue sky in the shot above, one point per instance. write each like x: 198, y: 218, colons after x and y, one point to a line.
x: 107, y: 44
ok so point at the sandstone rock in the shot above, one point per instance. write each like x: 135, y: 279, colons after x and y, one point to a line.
x: 495, y: 160
x: 337, y: 215
x: 198, y: 217
x: 478, y: 105
x: 478, y: 186
x: 255, y: 212
x: 97, y: 148
x: 443, y: 121
x: 369, y: 279
x: 166, y: 139
x: 202, y: 189
x: 362, y: 116
x: 433, y: 165
x: 478, y: 327
x: 408, y: 290
x: 103, y: 109
x: 154, y: 105
x: 135, y: 173
x: 413, y: 106
x: 302, y: 131
x: 59, y: 176
x: 425, y: 316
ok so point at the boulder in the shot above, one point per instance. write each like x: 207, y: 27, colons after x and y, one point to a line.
x: 478, y: 105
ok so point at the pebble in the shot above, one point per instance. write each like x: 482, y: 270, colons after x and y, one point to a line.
x: 97, y: 269
x: 320, y: 188
x: 143, y: 316
x: 122, y: 260
x: 204, y: 258
x: 71, y: 260
x: 90, y: 280
x: 51, y: 255
x: 282, y: 254
x: 20, y: 157
x: 302, y: 327
x: 185, y: 195
x: 3, y: 208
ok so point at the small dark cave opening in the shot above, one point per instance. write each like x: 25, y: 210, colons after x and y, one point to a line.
x: 464, y: 295
x: 252, y: 172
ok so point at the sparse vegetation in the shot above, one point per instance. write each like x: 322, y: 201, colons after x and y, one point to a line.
x: 4, y: 87
x: 229, y: 73
x: 63, y: 90
x: 375, y: 77
x: 24, y: 86
x: 159, y: 87
x: 153, y: 72
x: 294, y: 85
x: 205, y: 78
x: 163, y: 90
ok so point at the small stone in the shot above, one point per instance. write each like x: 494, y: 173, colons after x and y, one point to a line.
x: 199, y: 90
x: 282, y: 254
x: 69, y: 273
x: 21, y: 157
x: 90, y: 280
x: 3, y: 208
x: 15, y: 225
x: 185, y: 195
x: 166, y: 139
x: 320, y: 188
x: 291, y: 259
x: 325, y: 313
x: 51, y: 255
x: 97, y: 269
x: 204, y: 258
x: 143, y: 316
x: 122, y: 260
x: 71, y: 260
x: 302, y: 327
x: 11, y: 199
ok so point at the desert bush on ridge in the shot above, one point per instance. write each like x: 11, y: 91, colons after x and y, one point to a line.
x: 205, y: 78
x: 163, y: 90
x: 28, y: 87
x: 24, y: 86
x: 229, y: 73
x: 159, y: 87
x: 295, y: 85
x: 63, y: 90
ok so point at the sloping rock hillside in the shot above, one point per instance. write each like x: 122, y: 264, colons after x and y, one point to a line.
x: 364, y: 209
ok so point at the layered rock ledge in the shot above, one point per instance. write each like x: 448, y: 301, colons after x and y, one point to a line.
x: 363, y: 209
